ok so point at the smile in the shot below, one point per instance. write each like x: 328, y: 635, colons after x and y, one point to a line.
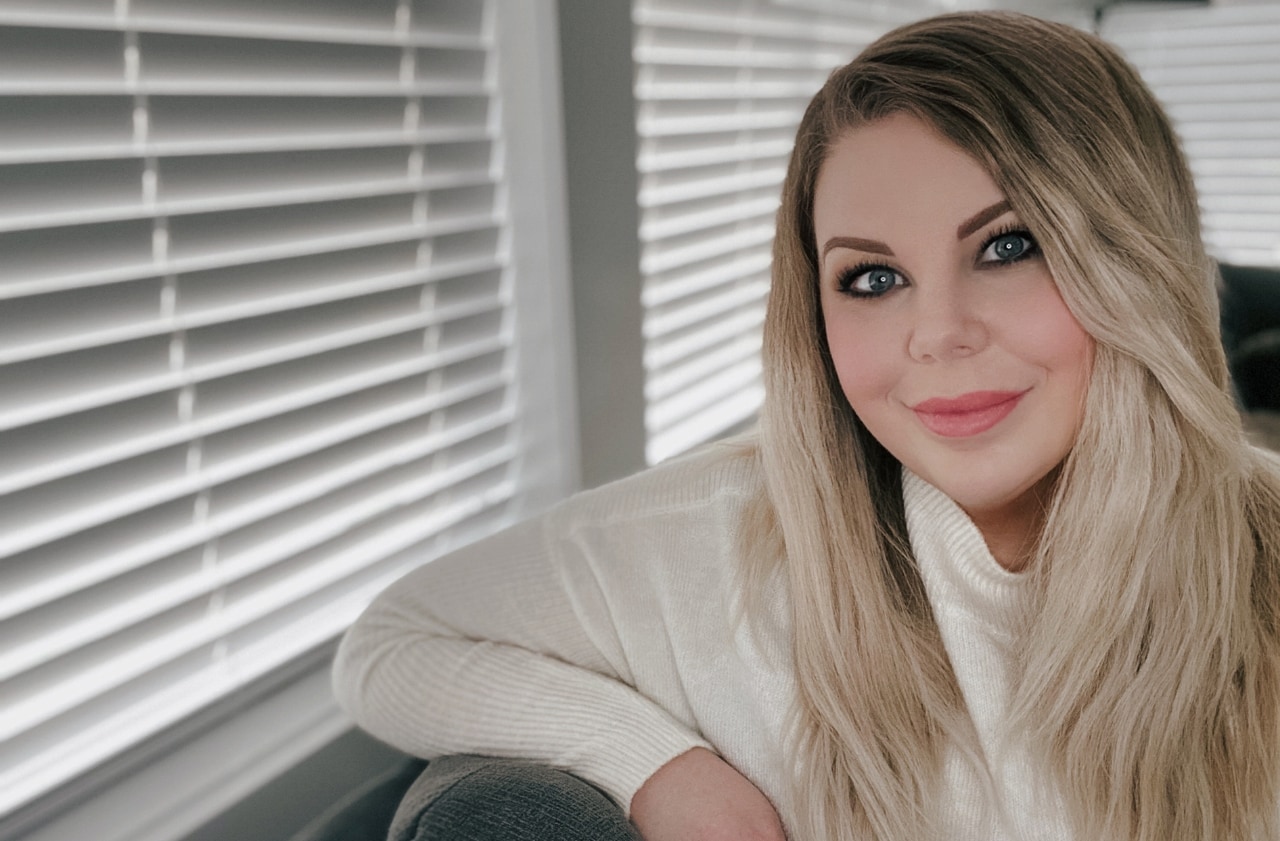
x: 966, y: 415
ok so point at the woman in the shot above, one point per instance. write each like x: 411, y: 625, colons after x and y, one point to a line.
x: 1000, y: 563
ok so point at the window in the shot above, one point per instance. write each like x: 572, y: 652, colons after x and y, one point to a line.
x: 1217, y: 71
x: 262, y: 351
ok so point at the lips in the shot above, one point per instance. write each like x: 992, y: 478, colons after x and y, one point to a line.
x: 966, y: 415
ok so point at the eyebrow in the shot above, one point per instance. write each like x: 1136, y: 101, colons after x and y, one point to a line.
x: 871, y: 246
x: 982, y: 217
x: 967, y: 227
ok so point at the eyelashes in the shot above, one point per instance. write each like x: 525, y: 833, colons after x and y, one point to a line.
x: 1024, y: 244
x: 1004, y: 247
x: 869, y: 280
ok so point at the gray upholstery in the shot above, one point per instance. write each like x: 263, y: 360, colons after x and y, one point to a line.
x: 473, y: 798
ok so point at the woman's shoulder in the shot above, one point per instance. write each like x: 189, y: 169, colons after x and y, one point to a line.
x: 716, y: 479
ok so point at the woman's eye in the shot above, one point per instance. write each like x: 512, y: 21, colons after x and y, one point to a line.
x: 1009, y: 248
x: 869, y: 282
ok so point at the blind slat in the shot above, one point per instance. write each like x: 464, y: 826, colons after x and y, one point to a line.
x: 707, y: 424
x: 746, y: 209
x: 718, y: 153
x: 44, y: 523
x: 83, y: 397
x: 678, y: 91
x: 90, y: 86
x: 140, y: 548
x: 387, y: 35
x: 13, y: 217
x: 709, y: 308
x: 655, y: 55
x: 677, y: 378
x: 57, y: 465
x: 142, y: 265
x: 663, y: 290
x: 721, y: 245
x: 660, y: 355
x: 115, y: 334
x: 719, y: 123
x: 80, y: 630
x: 55, y: 145
x: 749, y: 21
x: 711, y: 391
x: 734, y: 184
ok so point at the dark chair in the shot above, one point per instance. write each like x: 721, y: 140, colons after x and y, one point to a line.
x: 1251, y: 334
x: 479, y: 798
x: 472, y: 798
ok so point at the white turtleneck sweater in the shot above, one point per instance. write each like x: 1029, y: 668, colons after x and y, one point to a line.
x: 977, y: 604
x: 601, y: 638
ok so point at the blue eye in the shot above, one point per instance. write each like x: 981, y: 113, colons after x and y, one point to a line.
x: 1009, y: 247
x: 869, y: 281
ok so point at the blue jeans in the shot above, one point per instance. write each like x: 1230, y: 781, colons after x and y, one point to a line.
x: 474, y: 798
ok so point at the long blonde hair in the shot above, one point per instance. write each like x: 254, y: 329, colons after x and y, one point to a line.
x: 1152, y: 661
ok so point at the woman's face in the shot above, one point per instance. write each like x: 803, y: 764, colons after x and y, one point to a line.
x: 946, y: 329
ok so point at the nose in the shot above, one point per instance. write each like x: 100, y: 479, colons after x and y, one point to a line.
x: 947, y: 323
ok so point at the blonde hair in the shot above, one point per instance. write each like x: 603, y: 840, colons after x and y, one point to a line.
x: 1152, y: 661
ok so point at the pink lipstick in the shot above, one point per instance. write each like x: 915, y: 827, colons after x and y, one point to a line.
x: 968, y: 414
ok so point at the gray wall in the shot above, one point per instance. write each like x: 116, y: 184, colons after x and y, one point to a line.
x: 604, y: 247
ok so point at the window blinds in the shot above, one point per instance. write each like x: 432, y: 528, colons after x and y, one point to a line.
x: 257, y: 344
x: 1217, y: 71
x: 720, y: 88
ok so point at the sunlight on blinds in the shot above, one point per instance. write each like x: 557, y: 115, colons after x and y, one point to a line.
x: 1217, y: 71
x: 257, y: 357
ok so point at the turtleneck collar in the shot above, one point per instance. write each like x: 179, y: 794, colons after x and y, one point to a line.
x: 958, y: 569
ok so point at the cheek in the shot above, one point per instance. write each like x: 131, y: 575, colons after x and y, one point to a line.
x: 1051, y: 332
x: 861, y: 352
x: 1078, y: 356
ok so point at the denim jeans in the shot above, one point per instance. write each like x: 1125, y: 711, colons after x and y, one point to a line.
x: 474, y: 798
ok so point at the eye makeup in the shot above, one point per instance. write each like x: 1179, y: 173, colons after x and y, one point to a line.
x: 874, y: 279
x: 880, y: 280
x: 1031, y: 249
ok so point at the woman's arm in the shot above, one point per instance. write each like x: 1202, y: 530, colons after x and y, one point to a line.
x: 509, y: 648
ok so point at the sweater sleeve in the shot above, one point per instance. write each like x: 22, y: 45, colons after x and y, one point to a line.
x: 510, y: 647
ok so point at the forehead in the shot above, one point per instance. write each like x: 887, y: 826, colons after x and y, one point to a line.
x: 896, y: 171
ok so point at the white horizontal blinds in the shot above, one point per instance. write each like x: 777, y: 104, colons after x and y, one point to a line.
x: 256, y: 351
x: 1217, y: 70
x: 720, y: 88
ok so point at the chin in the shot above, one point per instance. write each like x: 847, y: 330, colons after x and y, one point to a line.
x: 988, y: 495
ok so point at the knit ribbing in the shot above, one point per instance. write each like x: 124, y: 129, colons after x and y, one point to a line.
x: 979, y: 607
x: 957, y: 566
